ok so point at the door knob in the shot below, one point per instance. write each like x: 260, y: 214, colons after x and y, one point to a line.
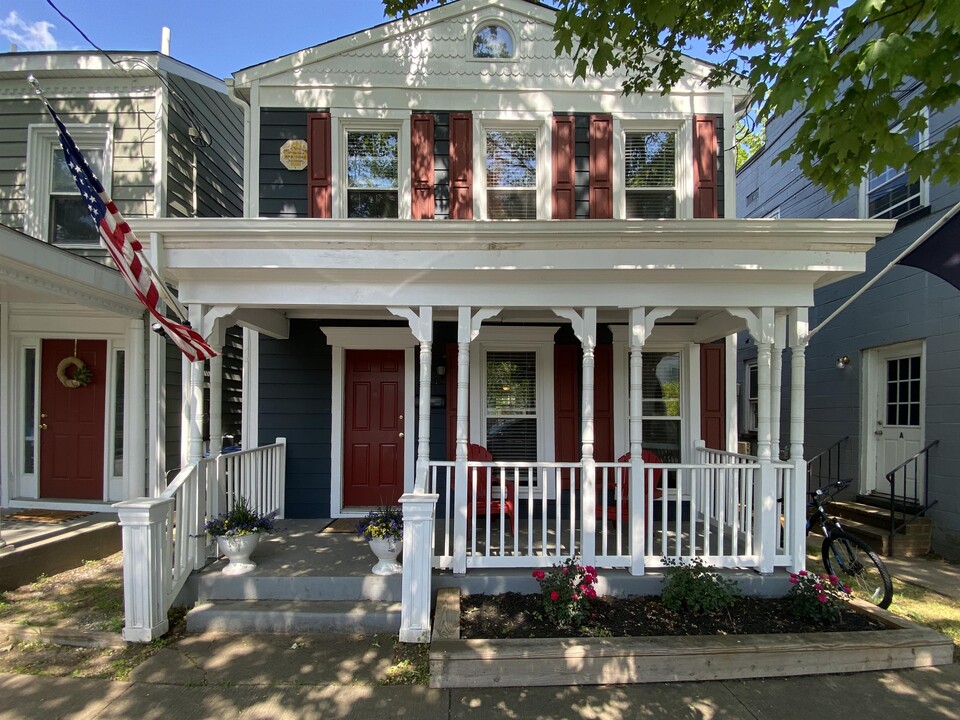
x: 43, y: 415
x: 878, y: 432
x: 401, y: 434
x: 43, y: 426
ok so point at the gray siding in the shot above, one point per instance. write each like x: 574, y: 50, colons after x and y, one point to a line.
x: 204, y: 182
x: 133, y: 150
x: 283, y: 193
x: 906, y: 305
x: 295, y: 396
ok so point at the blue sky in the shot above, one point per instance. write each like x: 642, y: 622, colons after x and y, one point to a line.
x: 217, y: 36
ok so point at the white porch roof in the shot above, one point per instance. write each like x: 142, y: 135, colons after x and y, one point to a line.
x: 32, y: 271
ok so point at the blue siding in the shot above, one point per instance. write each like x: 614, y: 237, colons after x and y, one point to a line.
x: 295, y: 396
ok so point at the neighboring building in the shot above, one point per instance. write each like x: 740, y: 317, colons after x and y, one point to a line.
x: 884, y: 372
x: 137, y: 122
x: 449, y: 166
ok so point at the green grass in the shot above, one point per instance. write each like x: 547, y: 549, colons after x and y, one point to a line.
x: 411, y: 665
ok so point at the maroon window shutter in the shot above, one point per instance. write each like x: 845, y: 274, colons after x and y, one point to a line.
x: 704, y: 167
x: 712, y: 396
x: 603, y: 404
x: 461, y: 166
x: 566, y: 402
x: 562, y: 150
x: 421, y: 165
x: 601, y: 166
x: 320, y: 199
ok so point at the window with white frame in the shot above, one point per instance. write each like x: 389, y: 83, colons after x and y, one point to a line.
x: 373, y: 163
x: 751, y: 407
x: 650, y: 173
x: 58, y: 214
x: 511, y: 170
x: 662, y: 405
x: 510, y: 408
x: 889, y: 194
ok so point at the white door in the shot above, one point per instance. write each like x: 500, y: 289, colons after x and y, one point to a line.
x: 897, y: 414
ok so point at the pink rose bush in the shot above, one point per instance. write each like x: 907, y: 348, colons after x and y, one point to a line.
x: 565, y: 592
x: 818, y: 598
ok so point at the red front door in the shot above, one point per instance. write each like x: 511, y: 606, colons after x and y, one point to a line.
x: 373, y: 428
x: 71, y: 422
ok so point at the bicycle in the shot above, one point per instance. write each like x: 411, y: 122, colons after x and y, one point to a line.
x: 847, y: 557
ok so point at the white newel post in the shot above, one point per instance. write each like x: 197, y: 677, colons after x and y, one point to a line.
x: 418, y: 512
x: 144, y: 567
x: 638, y: 336
x: 797, y: 523
x: 766, y: 523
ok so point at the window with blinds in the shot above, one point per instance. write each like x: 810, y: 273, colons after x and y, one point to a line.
x: 372, y: 174
x: 512, y: 174
x: 890, y: 194
x: 650, y: 174
x: 511, y: 405
x: 662, y: 403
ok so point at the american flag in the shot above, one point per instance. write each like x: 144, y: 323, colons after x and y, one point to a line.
x: 124, y: 247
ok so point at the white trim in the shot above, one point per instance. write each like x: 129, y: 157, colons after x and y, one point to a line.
x: 160, y: 153
x: 341, y: 339
x: 42, y: 143
x: 252, y: 151
x: 730, y: 392
x: 485, y: 19
x: 8, y: 406
x: 863, y: 207
x: 250, y: 384
x: 683, y: 127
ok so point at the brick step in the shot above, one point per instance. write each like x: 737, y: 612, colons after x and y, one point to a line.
x: 294, y: 616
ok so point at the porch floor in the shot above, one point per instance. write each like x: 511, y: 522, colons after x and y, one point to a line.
x: 299, y: 561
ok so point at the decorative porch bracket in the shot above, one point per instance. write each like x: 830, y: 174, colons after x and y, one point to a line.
x: 418, y: 512
x: 585, y: 328
x: 142, y: 524
x: 468, y: 327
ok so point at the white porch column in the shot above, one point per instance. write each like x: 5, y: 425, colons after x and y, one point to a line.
x: 422, y: 327
x: 144, y: 567
x: 195, y: 398
x: 796, y: 525
x: 585, y: 328
x: 638, y: 337
x: 216, y: 400
x: 776, y: 383
x: 419, y: 509
x: 463, y: 435
x: 135, y: 459
x: 767, y: 521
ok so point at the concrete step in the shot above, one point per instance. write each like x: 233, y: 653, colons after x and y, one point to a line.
x: 216, y: 586
x: 294, y: 616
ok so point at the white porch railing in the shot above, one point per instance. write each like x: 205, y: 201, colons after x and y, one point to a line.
x: 164, y: 539
x: 707, y: 509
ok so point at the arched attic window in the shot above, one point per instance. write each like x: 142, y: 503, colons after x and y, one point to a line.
x: 492, y: 41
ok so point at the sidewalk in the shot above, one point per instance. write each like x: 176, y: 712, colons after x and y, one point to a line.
x: 332, y: 677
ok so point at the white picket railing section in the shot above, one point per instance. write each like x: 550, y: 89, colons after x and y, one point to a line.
x: 707, y: 509
x: 164, y: 539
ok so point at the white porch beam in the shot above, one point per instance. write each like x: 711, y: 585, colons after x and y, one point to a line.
x: 271, y: 323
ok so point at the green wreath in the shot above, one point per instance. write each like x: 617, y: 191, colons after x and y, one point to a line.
x: 80, y: 376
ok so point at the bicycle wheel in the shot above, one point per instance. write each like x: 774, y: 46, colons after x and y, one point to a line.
x: 857, y: 565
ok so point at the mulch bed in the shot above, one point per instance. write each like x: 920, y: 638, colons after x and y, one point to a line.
x: 512, y: 615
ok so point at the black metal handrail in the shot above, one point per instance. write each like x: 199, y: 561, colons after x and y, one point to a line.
x: 914, y: 499
x: 831, y: 459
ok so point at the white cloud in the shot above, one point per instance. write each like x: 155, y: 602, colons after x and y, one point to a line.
x: 28, y: 36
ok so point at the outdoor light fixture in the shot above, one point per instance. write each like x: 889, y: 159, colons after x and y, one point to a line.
x: 842, y: 362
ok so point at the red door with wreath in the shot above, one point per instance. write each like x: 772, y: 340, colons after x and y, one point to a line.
x: 373, y: 428
x: 71, y: 423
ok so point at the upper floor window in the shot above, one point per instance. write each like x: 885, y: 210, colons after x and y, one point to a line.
x: 511, y: 164
x: 492, y: 41
x: 59, y: 214
x: 650, y: 174
x: 372, y: 174
x: 889, y: 193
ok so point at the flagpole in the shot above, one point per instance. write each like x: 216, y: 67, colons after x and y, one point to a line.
x: 913, y: 246
x: 158, y: 282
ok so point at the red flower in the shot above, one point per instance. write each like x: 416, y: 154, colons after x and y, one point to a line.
x: 565, y: 569
x: 554, y: 595
x: 591, y: 570
x: 834, y: 579
x: 802, y: 573
x: 575, y: 597
x: 539, y: 574
x: 794, y: 579
x: 822, y: 598
x: 590, y: 592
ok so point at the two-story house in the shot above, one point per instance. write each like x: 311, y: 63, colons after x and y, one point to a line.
x: 167, y: 142
x: 881, y: 387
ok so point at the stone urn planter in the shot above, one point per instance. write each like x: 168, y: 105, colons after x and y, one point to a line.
x: 386, y: 550
x: 237, y: 550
